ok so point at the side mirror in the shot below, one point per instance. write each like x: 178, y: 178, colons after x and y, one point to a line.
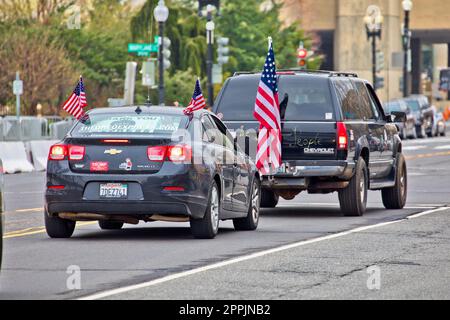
x: 212, y: 139
x: 397, y: 116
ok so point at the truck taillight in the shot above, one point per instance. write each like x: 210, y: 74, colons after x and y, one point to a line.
x: 57, y: 152
x: 342, y: 137
x: 76, y: 152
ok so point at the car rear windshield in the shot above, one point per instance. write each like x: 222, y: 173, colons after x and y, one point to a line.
x: 309, y: 98
x: 128, y: 125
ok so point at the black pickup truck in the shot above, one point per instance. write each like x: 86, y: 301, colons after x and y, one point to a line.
x: 335, y: 137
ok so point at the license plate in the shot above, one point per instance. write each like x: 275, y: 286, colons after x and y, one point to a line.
x: 113, y: 190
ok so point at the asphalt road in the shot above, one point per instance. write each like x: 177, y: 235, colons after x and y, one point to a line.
x: 35, y: 266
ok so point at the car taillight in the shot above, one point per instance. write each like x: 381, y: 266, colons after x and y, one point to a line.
x: 57, y: 152
x: 342, y: 137
x: 76, y: 152
x: 180, y: 153
x: 115, y: 141
x: 156, y: 153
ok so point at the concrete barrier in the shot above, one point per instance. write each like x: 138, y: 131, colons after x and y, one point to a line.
x: 39, y: 152
x: 14, y: 157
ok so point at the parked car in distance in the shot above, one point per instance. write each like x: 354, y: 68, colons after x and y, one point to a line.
x: 424, y: 112
x: 335, y: 137
x: 130, y: 164
x: 440, y: 124
x: 407, y: 128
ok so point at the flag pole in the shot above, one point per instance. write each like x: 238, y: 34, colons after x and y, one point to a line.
x: 269, y: 40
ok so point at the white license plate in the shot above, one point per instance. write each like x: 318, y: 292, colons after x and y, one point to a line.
x: 113, y: 190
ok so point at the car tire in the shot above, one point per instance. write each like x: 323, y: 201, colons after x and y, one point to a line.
x: 353, y: 199
x: 250, y: 222
x: 395, y: 197
x: 269, y: 199
x: 421, y: 132
x: 110, y: 225
x: 208, y: 226
x: 57, y: 227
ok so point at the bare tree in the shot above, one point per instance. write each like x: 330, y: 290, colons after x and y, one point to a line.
x: 46, y: 72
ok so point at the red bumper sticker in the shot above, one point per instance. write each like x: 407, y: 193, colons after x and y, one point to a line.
x: 99, y: 166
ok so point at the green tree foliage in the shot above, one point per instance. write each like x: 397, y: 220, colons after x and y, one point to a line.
x: 248, y: 26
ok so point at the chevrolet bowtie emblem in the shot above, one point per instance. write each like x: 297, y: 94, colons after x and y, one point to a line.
x: 113, y: 151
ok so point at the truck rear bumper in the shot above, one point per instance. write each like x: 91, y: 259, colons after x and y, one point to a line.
x: 298, y: 174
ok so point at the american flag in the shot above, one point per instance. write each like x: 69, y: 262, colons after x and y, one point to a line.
x: 197, y: 101
x: 267, y: 112
x: 77, y: 101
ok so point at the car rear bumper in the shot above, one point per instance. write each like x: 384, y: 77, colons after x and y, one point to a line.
x: 135, y: 208
x: 299, y: 173
x: 146, y: 192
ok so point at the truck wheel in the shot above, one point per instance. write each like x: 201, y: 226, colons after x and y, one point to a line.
x: 208, y: 226
x: 353, y: 199
x: 57, y: 227
x: 395, y: 197
x: 421, y: 132
x: 250, y: 222
x: 110, y: 225
x: 268, y: 199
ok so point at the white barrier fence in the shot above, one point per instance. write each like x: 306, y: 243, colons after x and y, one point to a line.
x: 14, y: 157
x: 25, y: 142
x: 39, y: 152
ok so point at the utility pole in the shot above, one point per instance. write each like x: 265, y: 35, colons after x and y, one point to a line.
x: 18, y: 91
x: 161, y: 14
x: 407, y: 6
x: 209, y: 58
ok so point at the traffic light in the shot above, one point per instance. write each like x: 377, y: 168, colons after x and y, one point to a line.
x: 302, y: 54
x: 379, y: 61
x: 379, y: 82
x: 222, y: 51
x: 166, y: 52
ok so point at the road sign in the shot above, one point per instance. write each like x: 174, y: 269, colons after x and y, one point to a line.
x: 148, y: 73
x: 144, y: 49
x: 18, y: 87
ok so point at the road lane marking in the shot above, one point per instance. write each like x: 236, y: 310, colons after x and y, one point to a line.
x: 427, y: 155
x: 317, y: 205
x: 29, y: 210
x: 217, y: 265
x: 36, y: 230
x: 446, y: 147
x: 412, y: 148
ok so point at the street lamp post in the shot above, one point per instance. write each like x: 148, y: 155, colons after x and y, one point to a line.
x: 374, y: 22
x: 209, y: 58
x: 407, y: 6
x: 161, y: 14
